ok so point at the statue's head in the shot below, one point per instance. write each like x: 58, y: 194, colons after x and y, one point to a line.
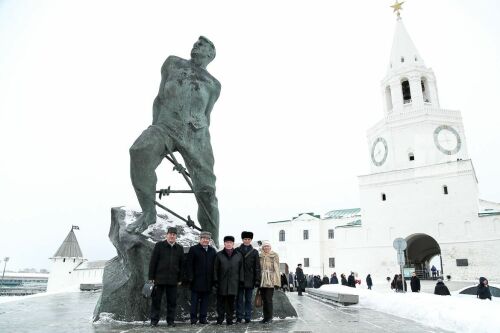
x: 203, y: 52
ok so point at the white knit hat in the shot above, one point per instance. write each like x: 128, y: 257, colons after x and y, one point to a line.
x: 266, y: 243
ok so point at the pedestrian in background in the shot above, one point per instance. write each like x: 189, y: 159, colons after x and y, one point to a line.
x: 301, y: 279
x: 400, y: 284
x: 343, y: 280
x: 483, y: 289
x: 441, y: 289
x: 351, y: 281
x: 414, y: 283
x: 369, y: 281
x: 334, y: 279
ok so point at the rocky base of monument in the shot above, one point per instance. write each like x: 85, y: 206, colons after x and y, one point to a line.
x: 125, y: 274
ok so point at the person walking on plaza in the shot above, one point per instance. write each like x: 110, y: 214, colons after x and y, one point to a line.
x: 441, y: 289
x: 334, y: 279
x: 200, y: 275
x: 434, y: 271
x: 369, y: 281
x: 415, y: 283
x: 251, y: 276
x: 165, y: 271
x: 228, y: 275
x: 301, y: 279
x: 270, y: 265
x: 483, y: 289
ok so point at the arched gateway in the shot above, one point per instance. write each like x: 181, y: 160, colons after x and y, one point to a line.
x: 421, y: 248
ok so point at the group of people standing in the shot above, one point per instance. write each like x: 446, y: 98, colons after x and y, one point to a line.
x: 232, y: 274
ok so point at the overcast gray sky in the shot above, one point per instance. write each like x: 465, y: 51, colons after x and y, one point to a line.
x: 300, y: 87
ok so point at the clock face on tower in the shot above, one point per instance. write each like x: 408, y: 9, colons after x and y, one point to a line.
x: 447, y: 139
x: 379, y: 151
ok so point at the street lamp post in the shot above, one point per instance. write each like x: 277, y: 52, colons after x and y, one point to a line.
x: 5, y: 260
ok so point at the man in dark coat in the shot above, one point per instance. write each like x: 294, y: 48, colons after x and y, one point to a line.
x: 251, y: 276
x: 351, y: 281
x: 400, y: 281
x: 301, y: 279
x: 334, y: 279
x: 441, y: 289
x: 369, y: 281
x: 165, y: 270
x: 228, y: 275
x: 200, y: 275
x: 483, y: 289
x: 317, y: 281
x: 415, y: 283
x: 343, y: 280
x: 325, y: 280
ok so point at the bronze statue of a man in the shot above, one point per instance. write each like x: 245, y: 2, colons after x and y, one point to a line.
x: 181, y: 117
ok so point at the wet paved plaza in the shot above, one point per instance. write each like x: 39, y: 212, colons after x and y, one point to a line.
x: 72, y: 312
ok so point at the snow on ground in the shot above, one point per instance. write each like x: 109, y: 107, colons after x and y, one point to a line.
x: 7, y: 299
x: 453, y: 313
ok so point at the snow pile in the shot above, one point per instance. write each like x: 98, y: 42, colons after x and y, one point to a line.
x: 453, y: 313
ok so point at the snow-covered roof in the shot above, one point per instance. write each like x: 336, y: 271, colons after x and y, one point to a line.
x: 306, y: 217
x: 69, y: 248
x: 350, y: 224
x: 343, y: 213
x: 488, y: 208
x: 96, y: 264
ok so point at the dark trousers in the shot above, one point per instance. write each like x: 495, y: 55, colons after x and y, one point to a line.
x: 267, y: 302
x: 171, y: 292
x: 225, y: 305
x: 201, y: 299
x: 244, y: 304
x: 300, y: 290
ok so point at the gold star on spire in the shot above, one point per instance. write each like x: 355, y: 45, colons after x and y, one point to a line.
x: 397, y: 7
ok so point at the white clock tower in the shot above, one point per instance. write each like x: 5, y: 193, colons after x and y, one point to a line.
x: 422, y: 186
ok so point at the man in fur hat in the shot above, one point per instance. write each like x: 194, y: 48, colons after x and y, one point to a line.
x: 252, y: 275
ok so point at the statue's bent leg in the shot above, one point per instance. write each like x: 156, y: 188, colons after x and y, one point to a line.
x: 146, y: 154
x: 200, y: 164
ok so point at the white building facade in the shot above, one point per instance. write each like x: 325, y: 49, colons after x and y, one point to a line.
x: 422, y: 187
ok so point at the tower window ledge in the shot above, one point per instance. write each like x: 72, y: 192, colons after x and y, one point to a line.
x: 408, y: 101
x: 427, y: 103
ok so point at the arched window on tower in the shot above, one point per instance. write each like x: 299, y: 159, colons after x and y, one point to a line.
x: 282, y: 236
x: 425, y: 90
x: 405, y: 86
x: 388, y: 98
x: 411, y: 156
